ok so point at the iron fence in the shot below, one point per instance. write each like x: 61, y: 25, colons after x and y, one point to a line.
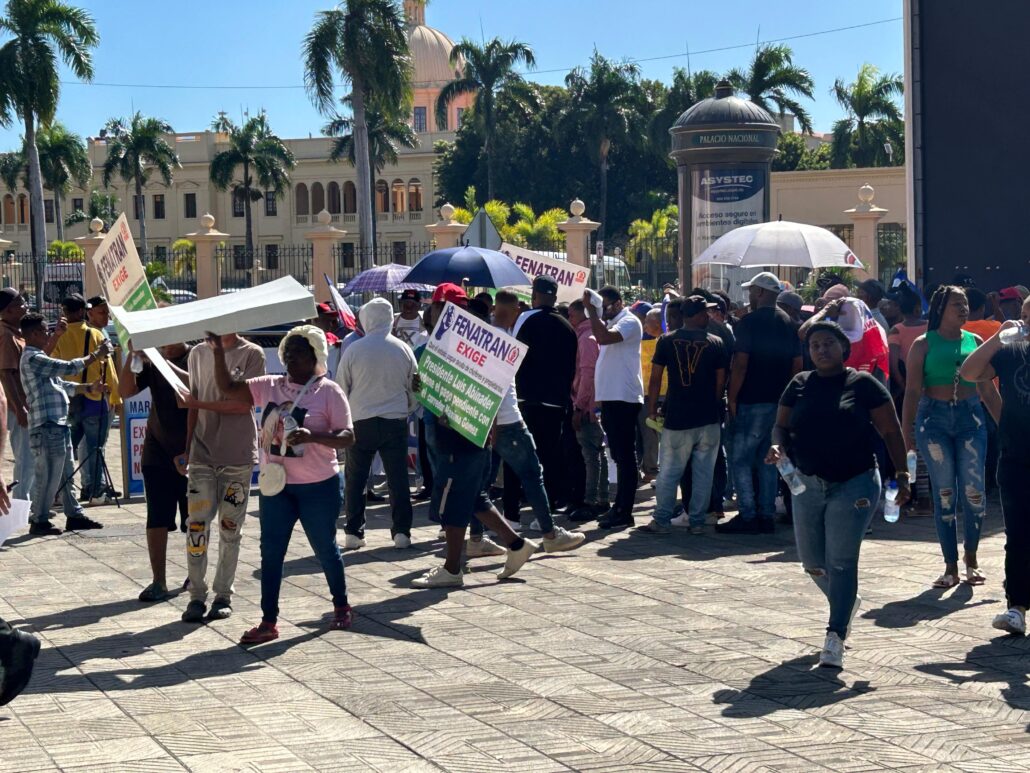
x: 43, y: 282
x: 173, y: 277
x: 892, y: 249
x: 351, y: 259
x: 242, y: 268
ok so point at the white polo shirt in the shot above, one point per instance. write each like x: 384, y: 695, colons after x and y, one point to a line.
x: 617, y: 374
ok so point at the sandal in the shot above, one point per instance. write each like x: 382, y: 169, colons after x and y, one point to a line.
x: 946, y: 581
x: 154, y: 592
x: 974, y: 576
x: 260, y: 634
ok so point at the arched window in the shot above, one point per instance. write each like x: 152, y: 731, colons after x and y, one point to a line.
x: 414, y: 195
x: 332, y: 194
x: 398, y: 194
x: 23, y: 208
x: 382, y: 196
x: 317, y: 198
x: 9, y: 209
x: 350, y: 198
x: 303, y: 205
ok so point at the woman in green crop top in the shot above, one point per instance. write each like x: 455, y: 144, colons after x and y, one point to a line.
x: 944, y: 420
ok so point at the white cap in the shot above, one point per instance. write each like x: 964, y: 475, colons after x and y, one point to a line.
x: 765, y: 280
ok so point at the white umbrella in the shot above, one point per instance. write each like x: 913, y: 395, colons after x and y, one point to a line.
x: 780, y: 243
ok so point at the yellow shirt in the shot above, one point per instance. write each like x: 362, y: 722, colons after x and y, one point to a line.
x: 647, y: 348
x: 72, y: 345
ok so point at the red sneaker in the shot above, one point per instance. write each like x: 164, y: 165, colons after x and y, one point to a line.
x: 260, y: 634
x: 342, y: 618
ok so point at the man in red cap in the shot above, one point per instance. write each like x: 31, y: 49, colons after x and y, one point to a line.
x: 1010, y: 302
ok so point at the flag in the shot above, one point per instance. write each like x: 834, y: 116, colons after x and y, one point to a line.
x: 901, y: 278
x: 665, y: 306
x: 347, y: 317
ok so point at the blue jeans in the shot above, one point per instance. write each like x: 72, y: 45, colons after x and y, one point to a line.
x: 952, y: 439
x: 51, y: 447
x: 752, y: 436
x: 699, y: 447
x: 591, y: 443
x: 24, y: 463
x: 830, y: 520
x: 516, y: 448
x: 89, y: 440
x: 316, y: 506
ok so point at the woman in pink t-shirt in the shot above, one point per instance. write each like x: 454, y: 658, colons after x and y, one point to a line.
x: 312, y: 411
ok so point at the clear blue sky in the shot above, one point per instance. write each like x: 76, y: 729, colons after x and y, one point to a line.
x: 232, y: 43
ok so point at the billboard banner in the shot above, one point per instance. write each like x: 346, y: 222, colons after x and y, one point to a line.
x: 724, y: 198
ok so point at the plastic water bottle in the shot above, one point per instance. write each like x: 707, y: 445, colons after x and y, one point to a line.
x: 910, y: 460
x: 790, y: 475
x: 1011, y: 335
x: 892, y: 510
x: 136, y: 366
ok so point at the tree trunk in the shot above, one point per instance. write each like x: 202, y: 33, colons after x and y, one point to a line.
x: 38, y: 235
x: 142, y: 204
x: 59, y: 215
x: 488, y: 147
x: 604, y: 197
x: 248, y: 230
x: 366, y: 221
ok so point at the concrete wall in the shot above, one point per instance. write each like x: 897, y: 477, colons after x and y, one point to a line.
x: 820, y: 197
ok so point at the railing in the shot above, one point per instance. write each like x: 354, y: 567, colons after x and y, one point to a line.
x: 177, y: 283
x: 302, y: 219
x: 58, y: 279
x: 241, y: 267
x: 349, y: 263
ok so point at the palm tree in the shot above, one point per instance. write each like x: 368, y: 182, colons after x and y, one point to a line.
x: 63, y: 159
x: 265, y: 160
x: 43, y: 32
x: 655, y: 237
x: 13, y: 165
x: 100, y: 205
x: 685, y: 91
x: 537, y: 232
x: 134, y: 150
x: 366, y: 41
x: 603, y: 110
x: 488, y: 70
x: 773, y: 77
x: 873, y: 120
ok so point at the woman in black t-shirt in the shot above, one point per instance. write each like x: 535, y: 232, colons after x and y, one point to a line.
x: 827, y: 424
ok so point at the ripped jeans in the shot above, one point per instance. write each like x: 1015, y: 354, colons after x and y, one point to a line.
x: 952, y: 440
x: 830, y: 520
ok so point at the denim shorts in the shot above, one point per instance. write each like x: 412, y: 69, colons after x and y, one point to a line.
x: 460, y: 483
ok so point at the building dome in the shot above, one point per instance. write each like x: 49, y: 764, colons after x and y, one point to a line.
x: 430, y: 50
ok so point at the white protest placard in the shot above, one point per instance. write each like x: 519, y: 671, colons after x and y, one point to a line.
x: 571, y: 279
x: 121, y: 271
x: 465, y: 370
x: 284, y: 300
x: 17, y: 518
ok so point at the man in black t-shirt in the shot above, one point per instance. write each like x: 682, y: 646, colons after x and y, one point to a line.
x: 766, y: 357
x: 696, y: 361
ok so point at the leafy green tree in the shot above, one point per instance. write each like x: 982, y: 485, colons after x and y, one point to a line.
x: 653, y: 237
x: 103, y: 205
x: 537, y: 232
x: 42, y: 33
x: 872, y: 120
x: 602, y: 99
x: 184, y: 257
x: 772, y: 77
x: 13, y: 166
x: 61, y: 251
x: 262, y: 158
x: 135, y: 148
x: 63, y: 159
x: 685, y: 91
x: 365, y: 41
x: 486, y: 71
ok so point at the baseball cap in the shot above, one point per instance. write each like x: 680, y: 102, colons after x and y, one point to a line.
x: 765, y: 280
x: 1009, y: 294
x: 693, y: 305
x: 74, y: 302
x: 411, y: 295
x: 325, y: 308
x: 7, y: 296
x: 791, y: 300
x: 872, y: 286
x: 96, y: 300
x: 450, y: 292
x: 545, y: 285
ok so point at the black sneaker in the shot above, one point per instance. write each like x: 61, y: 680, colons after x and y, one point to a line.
x: 221, y: 609
x: 582, y: 515
x: 738, y: 526
x: 422, y: 495
x: 85, y: 495
x: 44, y: 529
x: 614, y: 520
x: 111, y: 492
x: 82, y: 523
x: 17, y: 665
x: 194, y: 612
x: 371, y: 496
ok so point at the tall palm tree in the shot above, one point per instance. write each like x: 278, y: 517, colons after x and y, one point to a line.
x: 63, y: 159
x: 537, y: 232
x: 42, y: 33
x: 13, y: 166
x: 134, y: 150
x: 366, y: 42
x: 685, y: 91
x: 264, y: 158
x: 872, y: 120
x: 604, y: 102
x: 488, y: 70
x: 773, y: 77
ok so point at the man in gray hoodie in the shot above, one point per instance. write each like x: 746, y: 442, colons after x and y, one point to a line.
x: 377, y: 373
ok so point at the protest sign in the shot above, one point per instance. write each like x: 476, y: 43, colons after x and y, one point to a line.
x: 465, y: 369
x: 121, y: 271
x: 134, y: 427
x: 571, y: 279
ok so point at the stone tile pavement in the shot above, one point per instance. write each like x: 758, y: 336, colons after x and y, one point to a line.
x: 634, y: 653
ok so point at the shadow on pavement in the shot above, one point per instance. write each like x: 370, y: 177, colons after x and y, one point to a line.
x: 931, y: 604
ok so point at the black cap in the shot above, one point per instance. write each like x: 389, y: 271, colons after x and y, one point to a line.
x: 74, y: 302
x: 411, y: 295
x: 7, y: 297
x: 545, y: 285
x: 694, y: 304
x: 96, y: 300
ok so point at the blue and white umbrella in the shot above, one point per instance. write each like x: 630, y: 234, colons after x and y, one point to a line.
x: 383, y: 279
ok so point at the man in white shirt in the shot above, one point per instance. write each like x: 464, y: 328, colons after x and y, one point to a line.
x: 619, y: 389
x: 408, y: 324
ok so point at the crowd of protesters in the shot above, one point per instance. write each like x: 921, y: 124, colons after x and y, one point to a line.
x: 718, y: 405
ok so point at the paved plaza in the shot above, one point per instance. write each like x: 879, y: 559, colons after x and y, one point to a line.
x: 633, y: 653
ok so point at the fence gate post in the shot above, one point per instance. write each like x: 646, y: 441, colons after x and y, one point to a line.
x: 448, y: 231
x: 577, y: 229
x: 209, y: 272
x: 89, y: 244
x: 323, y: 239
x: 866, y: 215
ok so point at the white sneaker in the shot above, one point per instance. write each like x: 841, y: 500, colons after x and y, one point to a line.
x: 351, y: 542
x: 832, y: 655
x: 516, y: 558
x: 401, y: 541
x: 441, y: 535
x: 483, y: 547
x: 103, y: 500
x: 1012, y: 621
x: 681, y: 520
x: 713, y: 518
x: 563, y: 540
x: 438, y: 578
x: 854, y: 611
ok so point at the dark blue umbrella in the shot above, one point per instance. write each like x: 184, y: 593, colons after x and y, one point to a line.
x: 476, y: 266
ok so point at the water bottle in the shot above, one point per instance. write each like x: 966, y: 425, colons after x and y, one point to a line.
x: 136, y: 366
x: 790, y: 475
x: 892, y: 510
x: 910, y: 460
x: 1011, y: 335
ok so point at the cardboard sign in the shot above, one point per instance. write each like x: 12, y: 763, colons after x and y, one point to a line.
x: 571, y: 279
x: 134, y: 422
x: 121, y: 271
x: 466, y: 369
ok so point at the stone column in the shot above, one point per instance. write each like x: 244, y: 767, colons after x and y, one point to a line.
x: 209, y: 269
x: 577, y: 230
x: 89, y: 245
x: 865, y: 243
x: 447, y: 232
x: 323, y: 239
